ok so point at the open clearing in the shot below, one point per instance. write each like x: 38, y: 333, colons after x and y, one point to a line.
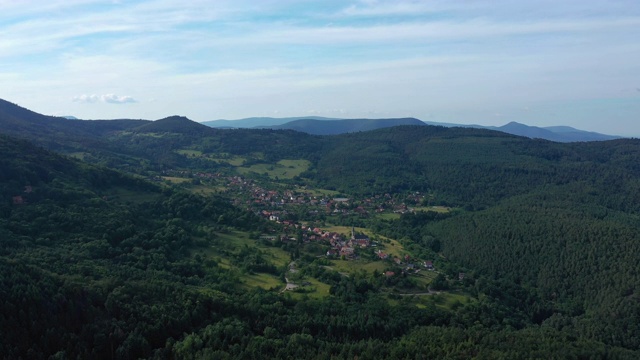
x: 187, y: 152
x: 315, y: 290
x: 439, y: 209
x: 175, y: 180
x: 351, y: 266
x: 265, y: 281
x: 236, y: 239
x: 283, y: 169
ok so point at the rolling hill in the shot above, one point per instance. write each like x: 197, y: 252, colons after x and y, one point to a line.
x: 546, y: 233
x: 553, y: 133
x: 335, y: 127
x: 176, y: 125
x: 258, y: 122
x: 332, y: 126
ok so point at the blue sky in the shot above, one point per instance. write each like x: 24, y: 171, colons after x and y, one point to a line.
x: 486, y: 62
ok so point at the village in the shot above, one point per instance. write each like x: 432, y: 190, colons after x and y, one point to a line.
x: 300, y: 212
x: 279, y: 202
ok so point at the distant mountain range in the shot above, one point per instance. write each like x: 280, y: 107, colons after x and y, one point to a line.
x: 258, y: 122
x: 553, y: 133
x: 314, y: 125
x: 334, y: 126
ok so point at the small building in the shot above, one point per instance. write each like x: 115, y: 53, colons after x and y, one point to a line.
x: 346, y: 251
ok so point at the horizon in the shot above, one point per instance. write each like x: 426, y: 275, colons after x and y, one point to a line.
x: 486, y: 63
x: 321, y: 118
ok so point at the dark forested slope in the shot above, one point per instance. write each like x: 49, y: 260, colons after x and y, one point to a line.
x: 93, y: 263
x: 97, y: 264
x: 335, y: 127
x: 468, y: 166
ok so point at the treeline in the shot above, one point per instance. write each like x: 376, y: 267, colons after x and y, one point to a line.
x: 473, y: 168
x: 572, y: 250
x: 84, y: 272
x: 97, y: 275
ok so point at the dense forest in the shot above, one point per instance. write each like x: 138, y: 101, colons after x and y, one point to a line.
x: 99, y: 259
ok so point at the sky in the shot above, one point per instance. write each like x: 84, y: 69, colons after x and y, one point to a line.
x: 487, y: 62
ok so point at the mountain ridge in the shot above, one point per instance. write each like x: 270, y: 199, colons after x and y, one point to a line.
x: 253, y: 122
x: 552, y: 133
x: 336, y: 127
x: 315, y: 125
x: 530, y: 222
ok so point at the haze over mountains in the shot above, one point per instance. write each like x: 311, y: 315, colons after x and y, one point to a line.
x: 334, y: 126
x: 310, y: 124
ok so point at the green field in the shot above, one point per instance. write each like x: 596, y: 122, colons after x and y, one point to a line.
x: 388, y: 216
x: 283, y: 169
x: 265, y: 281
x: 206, y: 189
x: 392, y: 247
x: 236, y: 239
x: 321, y: 192
x: 446, y: 300
x: 187, y: 152
x: 317, y: 290
x: 233, y: 242
x: 351, y: 266
x: 424, y: 278
x: 232, y: 160
x: 175, y: 180
x: 439, y: 209
x: 346, y: 230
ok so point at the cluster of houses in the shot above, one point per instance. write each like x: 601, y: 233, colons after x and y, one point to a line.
x: 273, y: 204
x: 339, y: 245
x: 255, y: 197
x: 409, y: 265
x: 345, y: 248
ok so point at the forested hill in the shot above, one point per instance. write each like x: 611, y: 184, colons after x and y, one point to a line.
x: 467, y: 166
x: 335, y: 127
x: 20, y: 122
x: 178, y: 125
x: 95, y: 264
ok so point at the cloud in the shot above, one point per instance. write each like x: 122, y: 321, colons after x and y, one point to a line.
x: 107, y: 98
x: 86, y: 98
x: 115, y: 99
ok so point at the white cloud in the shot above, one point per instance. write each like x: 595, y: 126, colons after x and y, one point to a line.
x: 86, y: 98
x: 106, y: 98
x: 115, y: 99
x: 236, y: 58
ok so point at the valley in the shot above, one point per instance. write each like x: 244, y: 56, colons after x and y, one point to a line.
x: 170, y: 239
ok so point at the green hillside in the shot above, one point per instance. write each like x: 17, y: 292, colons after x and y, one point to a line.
x: 335, y: 127
x: 175, y: 124
x: 120, y: 255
